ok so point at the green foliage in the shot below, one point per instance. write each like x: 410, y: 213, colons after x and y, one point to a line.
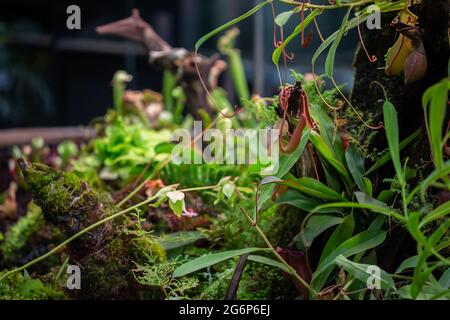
x: 329, y: 63
x: 279, y: 50
x: 430, y: 241
x: 226, y: 46
x: 197, y: 175
x: 160, y: 275
x: 210, y: 259
x: 126, y: 148
x: 359, y: 271
x: 64, y: 194
x: 340, y: 213
x: 22, y: 287
x: 18, y: 235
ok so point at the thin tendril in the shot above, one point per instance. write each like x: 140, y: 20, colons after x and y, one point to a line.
x: 381, y: 86
x: 208, y: 93
x: 380, y: 124
x: 275, y: 41
x: 372, y: 58
x: 277, y: 44
x: 318, y: 30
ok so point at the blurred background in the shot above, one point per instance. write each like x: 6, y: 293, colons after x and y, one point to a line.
x: 52, y: 76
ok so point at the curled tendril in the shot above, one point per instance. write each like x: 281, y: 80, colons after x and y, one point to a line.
x: 277, y: 44
x: 372, y: 58
x: 289, y: 56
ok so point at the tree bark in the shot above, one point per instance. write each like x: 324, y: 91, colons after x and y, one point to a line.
x: 407, y: 98
x: 433, y: 19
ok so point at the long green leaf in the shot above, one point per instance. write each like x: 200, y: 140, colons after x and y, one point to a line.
x: 435, y: 98
x: 329, y: 63
x: 391, y: 125
x: 438, y: 213
x: 325, y: 150
x: 269, y: 262
x: 277, y: 52
x: 342, y: 233
x: 327, y: 130
x: 355, y: 164
x: 284, y: 17
x: 361, y: 242
x: 368, y: 206
x: 363, y: 198
x: 210, y: 259
x: 298, y: 200
x: 211, y: 34
x: 313, y: 188
x: 408, y: 263
x: 361, y: 272
x: 444, y: 281
x: 315, y: 226
x: 328, y: 41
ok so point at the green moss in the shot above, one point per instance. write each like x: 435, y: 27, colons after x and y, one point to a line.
x: 145, y: 244
x: 217, y: 289
x: 261, y: 282
x: 22, y: 287
x: 284, y: 226
x: 105, y: 254
x: 159, y: 276
x: 65, y: 195
x: 258, y: 282
x: 17, y: 237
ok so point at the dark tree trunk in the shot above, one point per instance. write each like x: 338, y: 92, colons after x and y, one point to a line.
x: 433, y: 19
x: 407, y: 98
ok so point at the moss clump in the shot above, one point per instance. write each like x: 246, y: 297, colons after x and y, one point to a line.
x: 217, y: 289
x: 158, y: 277
x: 22, y: 287
x: 260, y: 282
x: 144, y: 246
x: 64, y: 198
x: 17, y: 237
x: 105, y: 254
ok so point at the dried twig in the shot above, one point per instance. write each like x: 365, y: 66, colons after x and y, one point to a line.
x: 178, y: 60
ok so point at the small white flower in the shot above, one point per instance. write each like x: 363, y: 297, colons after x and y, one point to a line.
x: 175, y: 196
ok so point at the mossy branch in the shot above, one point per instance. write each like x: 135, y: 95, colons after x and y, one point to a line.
x: 93, y: 226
